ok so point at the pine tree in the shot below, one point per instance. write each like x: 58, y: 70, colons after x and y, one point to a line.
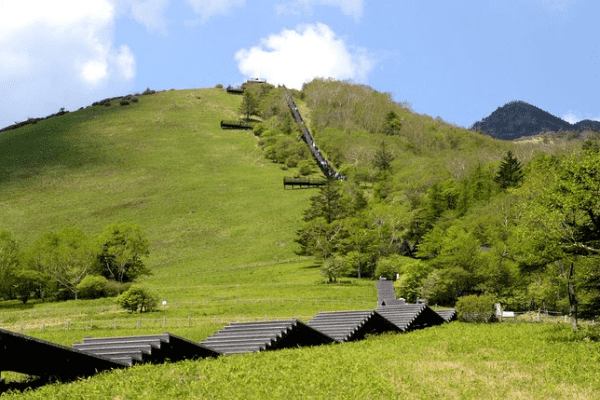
x: 510, y: 173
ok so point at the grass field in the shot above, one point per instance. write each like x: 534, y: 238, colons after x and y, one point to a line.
x: 452, y: 361
x: 220, y: 223
x: 221, y: 229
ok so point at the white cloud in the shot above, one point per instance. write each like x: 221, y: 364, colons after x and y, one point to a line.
x: 573, y: 117
x: 209, y: 8
x: 59, y: 54
x: 150, y: 14
x: 294, y: 57
x: 349, y: 7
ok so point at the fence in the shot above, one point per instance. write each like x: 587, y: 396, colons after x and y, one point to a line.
x: 65, y: 319
x: 141, y: 322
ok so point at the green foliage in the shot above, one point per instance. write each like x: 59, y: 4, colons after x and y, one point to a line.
x: 393, y: 125
x: 333, y: 268
x: 121, y: 249
x: 66, y: 256
x: 412, y: 277
x: 28, y: 283
x: 249, y: 104
x: 93, y: 287
x: 475, y: 308
x: 510, y: 173
x: 10, y: 259
x: 383, y: 158
x: 388, y: 267
x: 138, y: 299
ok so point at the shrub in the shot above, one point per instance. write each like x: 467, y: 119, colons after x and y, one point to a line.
x: 219, y: 86
x: 114, y: 288
x: 305, y: 167
x: 124, y: 102
x: 134, y: 99
x: 92, y: 287
x: 148, y: 91
x: 476, y: 308
x: 388, y: 267
x: 138, y: 299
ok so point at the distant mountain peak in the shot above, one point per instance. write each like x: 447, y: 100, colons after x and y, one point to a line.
x: 517, y: 118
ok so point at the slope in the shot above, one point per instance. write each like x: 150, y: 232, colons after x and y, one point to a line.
x: 220, y: 224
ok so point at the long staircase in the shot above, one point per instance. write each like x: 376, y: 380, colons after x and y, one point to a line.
x: 346, y: 326
x: 130, y: 350
x: 251, y: 337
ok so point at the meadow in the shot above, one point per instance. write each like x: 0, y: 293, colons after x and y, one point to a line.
x: 452, y: 361
x: 220, y: 224
x: 222, y: 229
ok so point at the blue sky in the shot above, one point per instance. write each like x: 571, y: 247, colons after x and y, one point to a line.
x: 459, y: 60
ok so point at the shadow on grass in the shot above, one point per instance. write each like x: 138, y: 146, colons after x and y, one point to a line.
x: 15, y: 305
x: 56, y: 142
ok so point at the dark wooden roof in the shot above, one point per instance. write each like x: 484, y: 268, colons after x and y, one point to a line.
x: 448, y: 315
x: 31, y: 356
x: 155, y: 349
x: 252, y: 337
x: 344, y: 326
x: 409, y: 317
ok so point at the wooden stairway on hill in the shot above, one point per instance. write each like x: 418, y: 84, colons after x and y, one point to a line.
x: 345, y: 326
x: 155, y: 349
x: 250, y: 337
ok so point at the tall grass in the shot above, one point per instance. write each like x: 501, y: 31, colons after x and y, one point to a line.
x: 453, y: 361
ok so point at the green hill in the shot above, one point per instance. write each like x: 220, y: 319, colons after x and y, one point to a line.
x: 222, y: 228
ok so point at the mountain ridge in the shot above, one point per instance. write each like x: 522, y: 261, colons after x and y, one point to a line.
x: 517, y: 119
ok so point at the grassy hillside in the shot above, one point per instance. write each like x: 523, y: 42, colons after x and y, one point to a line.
x: 221, y: 225
x: 454, y: 361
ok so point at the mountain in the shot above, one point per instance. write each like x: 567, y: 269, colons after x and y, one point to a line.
x: 516, y: 119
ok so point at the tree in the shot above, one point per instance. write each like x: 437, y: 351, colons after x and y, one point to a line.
x: 332, y: 268
x: 327, y: 203
x: 561, y: 230
x: 510, y: 173
x: 393, y: 125
x: 66, y: 256
x: 28, y: 282
x: 138, y: 299
x: 120, y: 251
x: 249, y: 104
x: 383, y: 158
x: 9, y: 261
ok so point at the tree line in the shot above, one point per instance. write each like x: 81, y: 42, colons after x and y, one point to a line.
x: 453, y: 214
x: 67, y: 264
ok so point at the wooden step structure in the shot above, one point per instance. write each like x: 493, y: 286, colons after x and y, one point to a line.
x: 236, y: 125
x: 302, y: 183
x: 250, y: 337
x: 155, y: 349
x: 346, y: 326
x: 232, y: 90
x: 448, y: 315
x: 386, y: 294
x: 409, y: 317
x: 32, y: 356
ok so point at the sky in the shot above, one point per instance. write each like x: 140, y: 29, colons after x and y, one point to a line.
x: 459, y: 60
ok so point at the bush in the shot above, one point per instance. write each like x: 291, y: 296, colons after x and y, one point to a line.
x: 388, y: 267
x: 305, y: 167
x: 134, y: 99
x: 124, y: 102
x: 219, y: 86
x: 148, y: 91
x: 92, y: 287
x: 476, y: 308
x: 138, y: 299
x: 114, y: 288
